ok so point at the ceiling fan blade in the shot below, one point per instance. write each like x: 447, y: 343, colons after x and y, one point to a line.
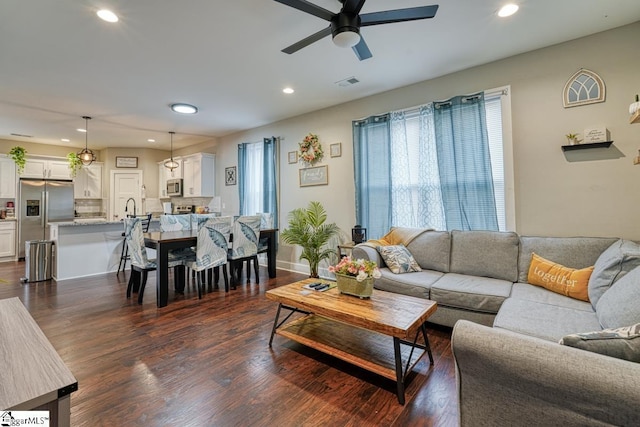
x: 362, y: 50
x: 310, y: 8
x: 307, y: 41
x: 352, y: 6
x: 398, y: 15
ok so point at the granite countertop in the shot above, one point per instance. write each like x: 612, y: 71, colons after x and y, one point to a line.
x: 88, y: 221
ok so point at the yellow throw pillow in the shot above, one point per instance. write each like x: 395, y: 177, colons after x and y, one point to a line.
x: 560, y: 279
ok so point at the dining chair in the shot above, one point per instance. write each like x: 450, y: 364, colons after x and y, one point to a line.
x: 246, y: 231
x: 134, y: 236
x: 124, y: 256
x: 266, y: 223
x: 212, y: 248
x: 178, y: 223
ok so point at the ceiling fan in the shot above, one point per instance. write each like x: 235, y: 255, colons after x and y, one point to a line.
x: 345, y: 25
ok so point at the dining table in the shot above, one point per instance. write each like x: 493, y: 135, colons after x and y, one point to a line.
x: 165, y: 241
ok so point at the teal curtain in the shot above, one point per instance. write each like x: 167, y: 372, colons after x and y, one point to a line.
x: 270, y: 178
x: 464, y: 163
x: 372, y: 170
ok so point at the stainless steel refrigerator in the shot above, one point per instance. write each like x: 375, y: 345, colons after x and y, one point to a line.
x: 42, y: 202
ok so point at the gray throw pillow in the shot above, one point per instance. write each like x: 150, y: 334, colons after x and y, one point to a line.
x: 620, y: 305
x: 623, y: 343
x: 616, y: 261
x: 398, y: 259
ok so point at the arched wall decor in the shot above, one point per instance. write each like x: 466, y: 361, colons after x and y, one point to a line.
x: 583, y: 87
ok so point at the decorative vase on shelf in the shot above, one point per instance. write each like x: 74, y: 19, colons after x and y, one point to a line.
x: 350, y: 286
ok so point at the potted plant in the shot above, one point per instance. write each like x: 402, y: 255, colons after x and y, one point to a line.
x: 74, y: 163
x: 355, y: 276
x: 18, y: 154
x: 308, y: 229
x: 572, y: 138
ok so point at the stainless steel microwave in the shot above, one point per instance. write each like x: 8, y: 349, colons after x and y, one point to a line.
x: 174, y: 187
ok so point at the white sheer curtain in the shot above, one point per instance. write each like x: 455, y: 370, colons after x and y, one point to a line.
x: 253, y: 190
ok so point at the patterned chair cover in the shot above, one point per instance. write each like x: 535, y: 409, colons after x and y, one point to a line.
x: 134, y: 236
x: 196, y: 217
x: 175, y: 222
x: 213, y: 241
x: 246, y: 231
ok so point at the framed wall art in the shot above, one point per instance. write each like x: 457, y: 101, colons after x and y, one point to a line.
x: 293, y: 157
x: 318, y: 175
x: 230, y: 175
x: 126, y: 162
x: 335, y: 149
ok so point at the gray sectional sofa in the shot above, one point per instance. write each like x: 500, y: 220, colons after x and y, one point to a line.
x: 510, y: 367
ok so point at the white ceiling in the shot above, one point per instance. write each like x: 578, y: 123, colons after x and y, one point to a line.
x: 59, y: 62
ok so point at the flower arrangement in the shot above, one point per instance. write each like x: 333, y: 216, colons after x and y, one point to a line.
x: 359, y: 268
x: 310, y: 149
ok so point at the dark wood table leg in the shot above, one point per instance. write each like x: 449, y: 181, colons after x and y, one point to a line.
x: 162, y: 275
x: 271, y: 255
x: 275, y: 324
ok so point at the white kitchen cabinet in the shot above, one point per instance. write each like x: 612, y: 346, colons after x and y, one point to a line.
x: 7, y: 239
x: 88, y: 182
x: 46, y: 169
x: 7, y: 178
x: 198, y: 175
x: 165, y: 174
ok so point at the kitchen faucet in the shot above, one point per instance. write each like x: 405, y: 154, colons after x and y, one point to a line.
x: 126, y: 205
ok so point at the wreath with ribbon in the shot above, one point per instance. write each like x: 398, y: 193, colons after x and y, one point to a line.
x: 310, y: 149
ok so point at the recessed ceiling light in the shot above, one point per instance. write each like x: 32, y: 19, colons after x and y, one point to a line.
x: 508, y: 10
x: 288, y: 90
x: 107, y: 15
x: 184, y: 108
x: 65, y: 140
x: 81, y: 130
x: 151, y: 140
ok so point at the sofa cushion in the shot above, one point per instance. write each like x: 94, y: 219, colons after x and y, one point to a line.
x: 619, y: 306
x: 415, y: 284
x: 545, y: 321
x: 471, y: 292
x: 619, y: 259
x: 485, y: 253
x: 398, y: 259
x: 622, y: 343
x: 536, y: 293
x: 578, y: 252
x: 558, y: 278
x: 431, y: 250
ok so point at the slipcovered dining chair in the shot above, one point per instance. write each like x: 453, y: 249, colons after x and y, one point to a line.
x: 134, y: 236
x: 246, y: 231
x: 266, y: 223
x: 212, y: 248
x: 124, y: 256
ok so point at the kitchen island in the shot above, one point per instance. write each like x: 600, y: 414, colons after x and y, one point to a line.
x: 87, y: 247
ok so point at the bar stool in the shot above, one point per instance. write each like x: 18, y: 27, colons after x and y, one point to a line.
x: 124, y: 256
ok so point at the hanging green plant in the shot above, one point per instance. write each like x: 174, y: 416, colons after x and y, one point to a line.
x: 74, y: 163
x: 18, y: 154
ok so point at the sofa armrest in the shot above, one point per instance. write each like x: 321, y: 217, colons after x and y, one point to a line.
x: 506, y: 378
x: 367, y: 252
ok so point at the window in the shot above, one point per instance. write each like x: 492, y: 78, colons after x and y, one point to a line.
x: 258, y: 177
x: 421, y: 189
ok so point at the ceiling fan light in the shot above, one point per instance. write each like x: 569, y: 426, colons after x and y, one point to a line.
x: 347, y: 38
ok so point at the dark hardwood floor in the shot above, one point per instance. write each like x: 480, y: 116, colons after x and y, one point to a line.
x: 207, y: 362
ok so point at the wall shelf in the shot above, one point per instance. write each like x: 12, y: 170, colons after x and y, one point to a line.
x: 605, y: 144
x: 635, y: 117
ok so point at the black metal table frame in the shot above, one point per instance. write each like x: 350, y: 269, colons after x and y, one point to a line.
x: 401, y: 373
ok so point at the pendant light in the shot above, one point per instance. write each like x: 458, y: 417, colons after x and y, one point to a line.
x: 86, y: 156
x: 171, y: 164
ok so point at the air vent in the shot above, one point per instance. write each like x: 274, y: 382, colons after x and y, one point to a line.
x: 24, y: 136
x: 347, y: 82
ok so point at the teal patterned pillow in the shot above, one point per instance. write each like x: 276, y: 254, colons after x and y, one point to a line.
x: 398, y: 259
x: 623, y: 343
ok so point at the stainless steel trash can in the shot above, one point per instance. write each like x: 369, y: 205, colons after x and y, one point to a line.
x: 38, y: 260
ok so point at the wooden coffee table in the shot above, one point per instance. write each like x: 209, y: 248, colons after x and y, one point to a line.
x: 357, y: 330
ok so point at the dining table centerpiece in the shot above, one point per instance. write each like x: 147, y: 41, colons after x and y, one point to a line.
x: 355, y: 276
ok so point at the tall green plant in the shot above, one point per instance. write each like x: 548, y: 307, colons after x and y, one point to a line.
x: 307, y: 228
